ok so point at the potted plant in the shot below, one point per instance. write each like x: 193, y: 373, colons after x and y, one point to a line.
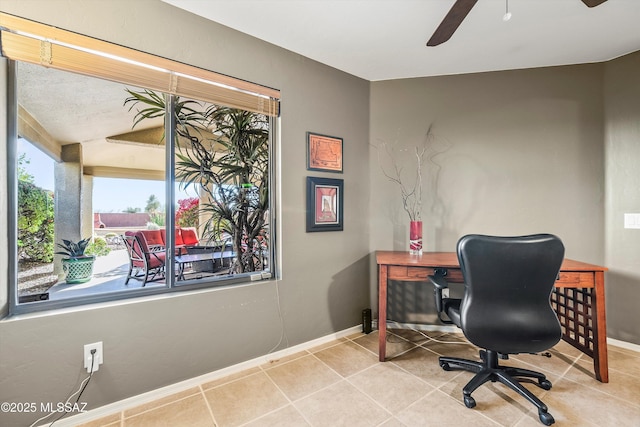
x: 77, y: 265
x: 410, y: 183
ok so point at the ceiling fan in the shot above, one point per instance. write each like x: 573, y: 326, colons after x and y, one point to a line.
x: 459, y: 11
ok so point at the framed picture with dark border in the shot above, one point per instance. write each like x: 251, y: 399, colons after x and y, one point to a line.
x: 324, y: 153
x: 325, y: 197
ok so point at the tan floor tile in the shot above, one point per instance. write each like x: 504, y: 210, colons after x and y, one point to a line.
x: 302, y: 376
x: 392, y: 422
x: 347, y: 358
x: 557, y: 364
x: 395, y: 346
x: 454, y: 348
x: 571, y: 403
x: 230, y: 378
x: 341, y: 405
x: 327, y: 345
x: 161, y: 402
x: 442, y: 411
x: 112, y: 420
x: 369, y: 341
x: 624, y: 361
x: 409, y: 335
x: 445, y: 341
x: 275, y: 362
x: 620, y: 385
x: 533, y: 420
x: 628, y: 351
x: 245, y: 399
x: 355, y: 335
x: 309, y: 389
x: 284, y: 417
x: 583, y: 373
x: 424, y: 365
x: 566, y: 348
x: 191, y: 411
x: 390, y: 386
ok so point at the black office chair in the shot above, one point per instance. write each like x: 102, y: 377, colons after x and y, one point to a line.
x: 505, y: 308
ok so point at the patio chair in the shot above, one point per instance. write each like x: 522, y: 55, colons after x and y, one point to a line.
x: 147, y: 260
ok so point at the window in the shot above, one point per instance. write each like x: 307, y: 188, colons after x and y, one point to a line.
x: 162, y: 172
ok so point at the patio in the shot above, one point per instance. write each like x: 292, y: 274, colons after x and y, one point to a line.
x: 109, y: 275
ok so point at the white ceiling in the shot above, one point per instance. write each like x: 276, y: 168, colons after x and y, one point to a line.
x: 386, y: 39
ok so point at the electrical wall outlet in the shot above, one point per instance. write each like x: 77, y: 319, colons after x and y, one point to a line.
x: 97, y: 357
x: 631, y: 220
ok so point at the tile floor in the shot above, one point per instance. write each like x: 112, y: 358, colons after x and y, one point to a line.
x: 343, y: 384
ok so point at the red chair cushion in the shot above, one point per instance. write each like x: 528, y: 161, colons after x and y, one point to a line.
x: 156, y: 259
x: 189, y: 236
x: 153, y: 237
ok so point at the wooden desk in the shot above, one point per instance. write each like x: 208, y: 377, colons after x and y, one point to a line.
x: 578, y: 298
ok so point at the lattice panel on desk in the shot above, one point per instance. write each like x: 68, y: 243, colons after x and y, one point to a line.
x: 574, y: 307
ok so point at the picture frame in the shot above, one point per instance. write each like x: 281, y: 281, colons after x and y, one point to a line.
x: 324, y: 153
x: 325, y: 200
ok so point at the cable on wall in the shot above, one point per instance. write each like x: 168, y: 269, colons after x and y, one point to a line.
x: 79, y: 392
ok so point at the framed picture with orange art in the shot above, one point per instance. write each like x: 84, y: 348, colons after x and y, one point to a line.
x: 324, y: 153
x: 325, y: 209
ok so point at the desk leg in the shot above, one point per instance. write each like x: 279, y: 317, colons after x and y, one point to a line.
x: 383, y: 274
x: 600, y: 357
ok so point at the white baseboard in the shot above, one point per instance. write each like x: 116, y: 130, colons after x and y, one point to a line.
x: 419, y: 326
x: 624, y: 344
x: 194, y: 382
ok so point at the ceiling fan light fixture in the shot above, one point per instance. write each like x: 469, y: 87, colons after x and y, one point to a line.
x: 507, y: 14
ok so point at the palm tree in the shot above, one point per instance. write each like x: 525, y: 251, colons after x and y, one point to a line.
x: 153, y: 204
x: 224, y: 153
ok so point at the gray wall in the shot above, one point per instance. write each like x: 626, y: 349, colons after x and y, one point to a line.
x: 519, y: 152
x: 541, y: 150
x: 622, y: 156
x: 150, y: 343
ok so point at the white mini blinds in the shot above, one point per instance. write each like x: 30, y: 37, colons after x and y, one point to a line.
x: 30, y: 41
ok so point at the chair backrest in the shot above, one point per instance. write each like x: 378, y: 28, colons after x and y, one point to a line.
x: 189, y: 236
x: 508, y: 283
x: 150, y: 238
x: 135, y: 252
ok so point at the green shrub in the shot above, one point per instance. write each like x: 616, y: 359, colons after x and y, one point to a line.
x: 35, y: 223
x: 98, y: 247
x: 157, y: 218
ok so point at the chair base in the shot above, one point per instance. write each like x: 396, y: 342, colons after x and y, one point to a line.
x: 145, y: 275
x: 489, y: 370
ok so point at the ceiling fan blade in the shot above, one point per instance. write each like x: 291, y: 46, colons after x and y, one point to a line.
x: 452, y: 21
x: 593, y: 3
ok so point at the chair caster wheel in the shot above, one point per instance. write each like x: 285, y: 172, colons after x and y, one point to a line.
x: 445, y: 366
x: 545, y: 384
x: 546, y: 418
x: 470, y: 402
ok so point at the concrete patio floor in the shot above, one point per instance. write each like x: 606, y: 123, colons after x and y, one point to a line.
x: 109, y: 275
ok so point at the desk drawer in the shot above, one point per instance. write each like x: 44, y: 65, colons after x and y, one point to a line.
x: 401, y: 272
x: 576, y: 279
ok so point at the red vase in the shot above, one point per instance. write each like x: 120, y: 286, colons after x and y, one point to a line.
x: 415, y: 237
